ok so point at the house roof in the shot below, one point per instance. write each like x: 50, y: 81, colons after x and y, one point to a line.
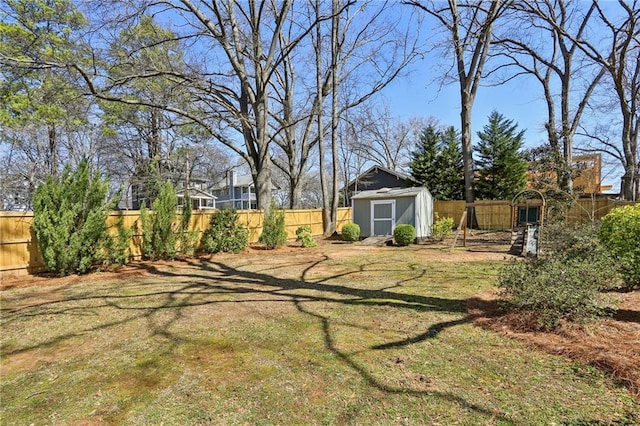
x: 195, y: 192
x: 399, y: 175
x: 241, y: 180
x: 386, y: 193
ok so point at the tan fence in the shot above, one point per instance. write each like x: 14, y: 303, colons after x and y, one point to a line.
x: 496, y: 215
x: 19, y: 252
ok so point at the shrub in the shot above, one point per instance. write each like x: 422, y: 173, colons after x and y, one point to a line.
x: 70, y: 213
x: 274, y: 233
x: 620, y: 233
x: 117, y: 248
x: 188, y: 239
x: 225, y: 234
x: 442, y: 227
x: 158, y: 234
x: 404, y: 234
x: 351, y: 232
x: 565, y: 282
x: 303, y: 234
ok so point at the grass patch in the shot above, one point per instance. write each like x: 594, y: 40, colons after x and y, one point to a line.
x: 360, y: 336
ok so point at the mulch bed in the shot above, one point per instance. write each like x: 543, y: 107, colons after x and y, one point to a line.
x: 610, y: 344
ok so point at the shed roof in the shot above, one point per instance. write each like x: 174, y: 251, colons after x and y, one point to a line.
x: 385, y: 193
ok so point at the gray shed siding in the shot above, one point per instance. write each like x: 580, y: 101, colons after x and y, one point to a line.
x: 405, y: 210
x: 413, y: 206
x: 362, y: 216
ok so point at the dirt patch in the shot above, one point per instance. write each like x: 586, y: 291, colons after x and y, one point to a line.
x: 610, y: 344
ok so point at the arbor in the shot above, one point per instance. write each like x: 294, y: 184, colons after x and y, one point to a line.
x: 437, y: 163
x: 501, y: 166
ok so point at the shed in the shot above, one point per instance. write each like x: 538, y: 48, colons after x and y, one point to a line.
x: 378, y: 212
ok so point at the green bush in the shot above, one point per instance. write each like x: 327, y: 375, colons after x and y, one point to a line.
x: 442, y: 227
x: 225, y: 234
x: 158, y: 233
x: 303, y: 234
x: 188, y: 239
x: 565, y: 283
x: 70, y: 220
x: 620, y: 233
x: 404, y: 234
x: 351, y: 232
x: 274, y: 233
x: 117, y: 248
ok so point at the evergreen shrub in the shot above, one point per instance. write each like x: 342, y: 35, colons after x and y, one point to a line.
x: 225, y: 234
x: 70, y: 220
x: 351, y: 232
x: 564, y: 284
x: 158, y: 233
x: 304, y: 236
x: 188, y: 239
x: 274, y: 233
x: 620, y: 233
x: 404, y: 234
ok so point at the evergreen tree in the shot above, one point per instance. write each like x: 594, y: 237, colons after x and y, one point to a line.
x: 70, y: 213
x: 450, y: 166
x: 501, y: 165
x: 437, y: 163
x: 423, y: 160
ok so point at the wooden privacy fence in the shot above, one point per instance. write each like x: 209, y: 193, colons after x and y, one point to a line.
x: 19, y: 252
x: 496, y: 215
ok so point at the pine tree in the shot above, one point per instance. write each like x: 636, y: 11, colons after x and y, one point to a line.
x: 437, y: 163
x: 450, y: 166
x: 501, y: 165
x: 423, y: 160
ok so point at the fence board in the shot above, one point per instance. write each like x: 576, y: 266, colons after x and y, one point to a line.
x: 19, y: 252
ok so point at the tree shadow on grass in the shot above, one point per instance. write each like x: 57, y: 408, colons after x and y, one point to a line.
x: 206, y: 281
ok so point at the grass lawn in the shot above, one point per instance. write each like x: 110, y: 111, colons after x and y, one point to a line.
x: 338, y: 334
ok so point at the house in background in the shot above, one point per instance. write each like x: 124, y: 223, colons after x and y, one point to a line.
x: 200, y: 199
x: 377, y: 177
x: 587, y: 170
x: 236, y: 191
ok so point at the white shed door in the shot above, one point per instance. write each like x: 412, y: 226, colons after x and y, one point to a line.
x: 383, y: 217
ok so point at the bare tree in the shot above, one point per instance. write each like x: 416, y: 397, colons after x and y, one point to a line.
x: 619, y: 55
x: 534, y: 43
x: 468, y: 28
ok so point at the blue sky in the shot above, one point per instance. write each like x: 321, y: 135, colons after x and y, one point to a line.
x: 520, y: 100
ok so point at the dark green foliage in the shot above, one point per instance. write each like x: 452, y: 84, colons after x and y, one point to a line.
x: 225, y: 234
x: 351, y: 232
x: 501, y: 166
x: 442, y: 227
x: 304, y: 235
x: 437, y: 163
x: 118, y: 246
x: 188, y: 239
x: 274, y: 233
x: 404, y: 234
x: 70, y: 213
x: 158, y: 233
x: 566, y: 282
x: 620, y: 233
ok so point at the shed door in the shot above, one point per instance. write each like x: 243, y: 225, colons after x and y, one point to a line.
x: 383, y: 217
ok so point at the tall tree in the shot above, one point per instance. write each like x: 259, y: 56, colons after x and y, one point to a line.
x: 468, y: 28
x: 42, y: 107
x: 535, y: 44
x: 618, y: 54
x: 501, y: 164
x: 437, y: 163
